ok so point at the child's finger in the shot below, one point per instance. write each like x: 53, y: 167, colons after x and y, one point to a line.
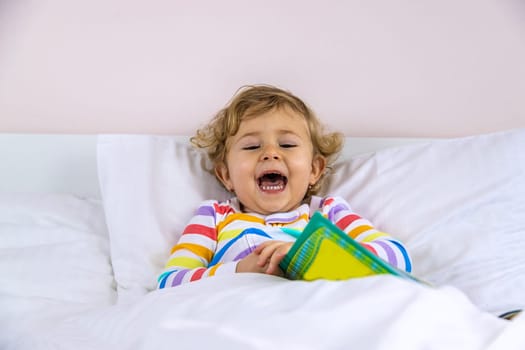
x: 265, y: 254
x: 275, y: 270
x: 261, y: 247
x: 276, y: 258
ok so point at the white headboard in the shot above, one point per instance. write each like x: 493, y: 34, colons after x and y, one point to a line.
x: 49, y: 163
x: 368, y: 68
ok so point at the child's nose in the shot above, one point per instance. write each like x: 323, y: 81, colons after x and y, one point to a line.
x: 270, y: 152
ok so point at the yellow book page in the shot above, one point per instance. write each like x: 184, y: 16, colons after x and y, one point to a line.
x: 334, y: 263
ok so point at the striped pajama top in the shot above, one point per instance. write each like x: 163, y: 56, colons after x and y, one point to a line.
x: 220, y: 234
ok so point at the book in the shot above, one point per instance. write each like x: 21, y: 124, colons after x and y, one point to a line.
x: 323, y: 251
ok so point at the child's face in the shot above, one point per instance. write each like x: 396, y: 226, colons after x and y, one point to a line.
x: 270, y: 162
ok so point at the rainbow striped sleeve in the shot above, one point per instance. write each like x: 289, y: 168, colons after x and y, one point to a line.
x: 191, y: 256
x: 338, y: 211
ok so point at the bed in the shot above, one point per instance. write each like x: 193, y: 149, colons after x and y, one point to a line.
x: 79, y: 254
x: 98, y: 100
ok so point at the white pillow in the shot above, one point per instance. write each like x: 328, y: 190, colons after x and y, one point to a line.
x: 457, y: 204
x: 151, y: 186
x: 54, y: 247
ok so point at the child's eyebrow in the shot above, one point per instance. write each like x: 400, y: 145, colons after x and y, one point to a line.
x: 248, y: 134
x: 257, y: 133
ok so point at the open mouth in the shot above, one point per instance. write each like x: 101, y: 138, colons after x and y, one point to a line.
x: 272, y: 182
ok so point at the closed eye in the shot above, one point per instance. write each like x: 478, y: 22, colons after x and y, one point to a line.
x: 250, y: 148
x: 288, y: 145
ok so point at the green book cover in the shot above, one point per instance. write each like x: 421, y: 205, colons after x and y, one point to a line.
x: 323, y: 251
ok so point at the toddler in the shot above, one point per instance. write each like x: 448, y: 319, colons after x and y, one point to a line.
x: 271, y: 152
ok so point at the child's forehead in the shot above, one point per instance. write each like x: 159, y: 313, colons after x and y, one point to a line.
x: 283, y: 112
x: 282, y: 120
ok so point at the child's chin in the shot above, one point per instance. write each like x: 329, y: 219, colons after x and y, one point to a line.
x: 276, y: 208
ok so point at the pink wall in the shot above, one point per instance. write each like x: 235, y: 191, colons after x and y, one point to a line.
x: 369, y: 68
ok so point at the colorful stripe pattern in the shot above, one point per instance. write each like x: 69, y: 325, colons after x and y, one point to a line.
x: 219, y: 235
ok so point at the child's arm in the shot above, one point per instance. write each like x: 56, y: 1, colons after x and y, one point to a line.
x: 191, y: 256
x: 381, y: 244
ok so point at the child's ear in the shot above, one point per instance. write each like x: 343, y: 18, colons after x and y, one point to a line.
x: 221, y: 171
x: 318, y: 167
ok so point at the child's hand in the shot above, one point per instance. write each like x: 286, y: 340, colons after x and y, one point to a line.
x: 250, y: 264
x: 270, y: 254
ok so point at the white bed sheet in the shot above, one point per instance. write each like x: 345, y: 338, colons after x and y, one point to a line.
x: 252, y: 311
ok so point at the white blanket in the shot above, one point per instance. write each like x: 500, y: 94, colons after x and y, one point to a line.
x: 252, y: 311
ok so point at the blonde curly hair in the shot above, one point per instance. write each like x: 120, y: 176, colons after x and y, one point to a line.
x: 254, y: 100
